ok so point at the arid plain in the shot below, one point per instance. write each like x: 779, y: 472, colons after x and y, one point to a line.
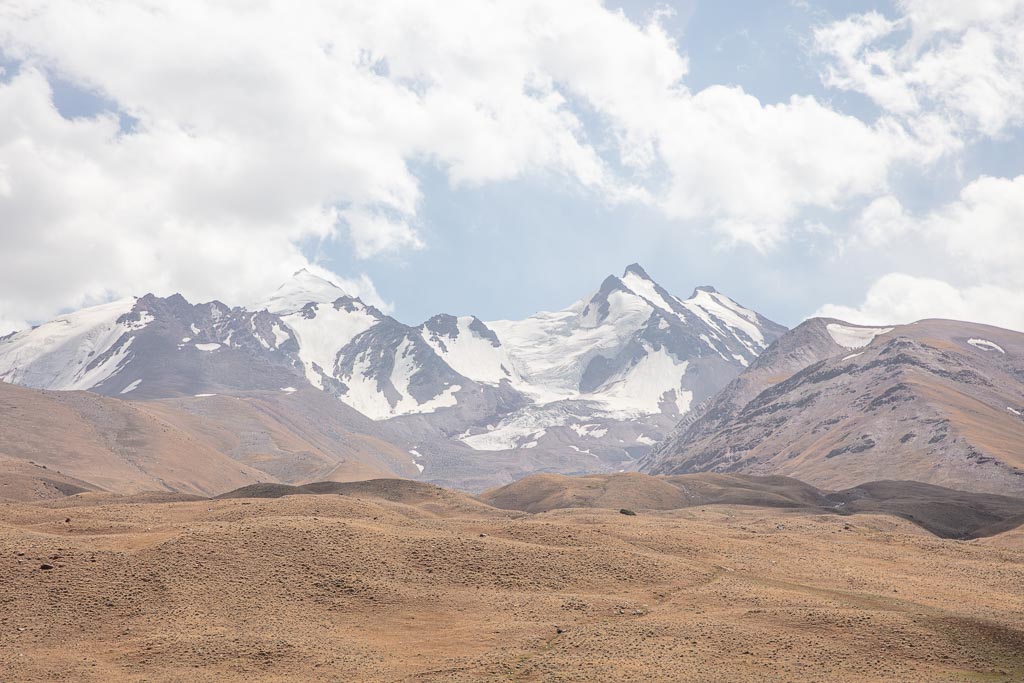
x: 410, y: 582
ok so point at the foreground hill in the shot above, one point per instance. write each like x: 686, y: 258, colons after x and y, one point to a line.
x: 635, y: 491
x: 353, y: 587
x: 26, y: 481
x: 834, y: 404
x: 401, y: 491
x: 203, y: 445
x: 944, y: 512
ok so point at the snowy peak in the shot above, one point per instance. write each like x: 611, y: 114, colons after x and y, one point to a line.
x: 728, y: 319
x: 74, y: 351
x: 631, y: 345
x: 636, y: 280
x: 469, y: 347
x: 303, y: 288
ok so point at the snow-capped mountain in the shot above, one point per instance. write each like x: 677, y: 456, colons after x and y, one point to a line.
x: 629, y: 358
x: 629, y: 346
x: 153, y: 347
x: 589, y: 387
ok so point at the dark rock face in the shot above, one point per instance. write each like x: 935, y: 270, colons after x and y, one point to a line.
x: 377, y: 350
x: 225, y: 349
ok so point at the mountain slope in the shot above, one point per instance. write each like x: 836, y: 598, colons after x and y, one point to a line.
x: 938, y: 401
x: 26, y: 481
x: 114, y: 445
x: 203, y: 445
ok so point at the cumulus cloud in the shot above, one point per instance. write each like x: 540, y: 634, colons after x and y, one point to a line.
x: 983, y: 234
x: 948, y: 68
x: 258, y: 129
x: 882, y: 221
x: 903, y: 298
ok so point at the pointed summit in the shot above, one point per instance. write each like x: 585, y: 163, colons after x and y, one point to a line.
x: 304, y: 287
x: 637, y: 270
x: 703, y: 288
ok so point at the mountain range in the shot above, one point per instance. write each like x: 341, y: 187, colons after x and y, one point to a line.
x: 314, y: 384
x: 473, y: 404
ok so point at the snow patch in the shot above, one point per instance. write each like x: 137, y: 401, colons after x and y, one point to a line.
x: 302, y: 289
x: 594, y: 431
x: 207, y: 347
x: 642, y: 388
x: 854, y: 337
x: 131, y: 387
x: 551, y: 351
x: 985, y: 345
x: 204, y: 395
x: 520, y: 427
x: 1012, y: 410
x: 289, y: 390
x: 648, y: 290
x: 853, y: 355
x: 280, y: 335
x: 646, y: 440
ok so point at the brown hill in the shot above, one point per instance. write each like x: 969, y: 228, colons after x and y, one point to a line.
x: 543, y: 492
x: 938, y: 401
x: 27, y: 481
x: 944, y: 512
x: 401, y: 491
x: 114, y: 445
x: 295, y: 437
x: 199, y: 445
x: 635, y: 491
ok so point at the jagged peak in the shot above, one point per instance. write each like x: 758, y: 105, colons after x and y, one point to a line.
x: 637, y: 270
x: 610, y: 284
x: 707, y: 289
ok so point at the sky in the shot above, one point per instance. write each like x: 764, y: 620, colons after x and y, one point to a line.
x: 863, y: 160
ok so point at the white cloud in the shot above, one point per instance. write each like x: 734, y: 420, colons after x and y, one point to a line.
x: 983, y: 234
x: 901, y: 298
x: 882, y: 221
x: 949, y: 68
x: 984, y: 231
x: 265, y: 126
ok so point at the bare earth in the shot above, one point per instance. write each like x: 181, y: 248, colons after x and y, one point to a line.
x: 328, y: 587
